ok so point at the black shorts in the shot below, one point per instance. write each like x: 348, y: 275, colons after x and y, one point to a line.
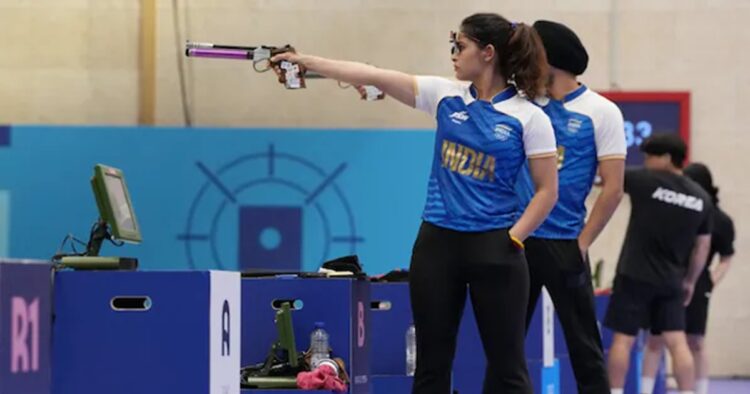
x: 696, y: 314
x: 635, y: 304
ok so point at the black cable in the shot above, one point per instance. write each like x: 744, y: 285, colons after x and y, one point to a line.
x: 73, y: 245
x: 62, y: 245
x: 91, y: 234
x: 69, y: 238
x: 186, y: 113
x: 189, y: 75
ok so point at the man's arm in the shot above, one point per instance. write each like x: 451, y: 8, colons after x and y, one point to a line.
x: 697, y: 261
x: 725, y: 247
x: 612, y: 173
x: 721, y: 269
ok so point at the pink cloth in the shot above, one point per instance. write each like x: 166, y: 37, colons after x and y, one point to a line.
x: 322, y: 378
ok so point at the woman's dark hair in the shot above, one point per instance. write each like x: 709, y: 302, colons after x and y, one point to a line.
x: 700, y: 173
x: 520, y: 53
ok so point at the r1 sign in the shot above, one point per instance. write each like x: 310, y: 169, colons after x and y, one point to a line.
x: 25, y: 325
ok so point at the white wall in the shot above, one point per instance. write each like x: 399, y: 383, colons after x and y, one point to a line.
x: 68, y: 61
x: 75, y: 62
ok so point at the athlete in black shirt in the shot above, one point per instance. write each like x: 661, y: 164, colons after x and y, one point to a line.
x: 665, y: 249
x: 722, y: 244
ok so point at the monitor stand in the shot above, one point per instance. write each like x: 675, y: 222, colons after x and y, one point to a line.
x: 91, y: 259
x: 99, y: 263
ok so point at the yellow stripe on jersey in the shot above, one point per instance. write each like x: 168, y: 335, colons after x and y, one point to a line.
x: 543, y: 155
x: 611, y: 157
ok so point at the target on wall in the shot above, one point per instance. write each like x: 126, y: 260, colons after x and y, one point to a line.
x: 268, y: 210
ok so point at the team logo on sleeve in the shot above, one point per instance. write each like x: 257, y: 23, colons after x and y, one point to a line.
x: 502, y: 131
x: 459, y: 117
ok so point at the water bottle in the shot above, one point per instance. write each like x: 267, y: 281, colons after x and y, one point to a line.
x: 411, y: 350
x: 319, y: 349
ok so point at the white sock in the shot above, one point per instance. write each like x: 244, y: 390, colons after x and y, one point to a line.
x: 616, y: 391
x: 647, y: 385
x: 701, y: 386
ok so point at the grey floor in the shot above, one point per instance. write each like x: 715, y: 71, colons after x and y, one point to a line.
x: 727, y: 386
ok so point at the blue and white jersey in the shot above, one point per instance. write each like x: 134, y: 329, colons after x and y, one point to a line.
x: 588, y: 129
x: 480, y: 147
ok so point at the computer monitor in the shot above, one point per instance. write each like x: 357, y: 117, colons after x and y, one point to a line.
x: 113, y: 201
x: 116, y: 223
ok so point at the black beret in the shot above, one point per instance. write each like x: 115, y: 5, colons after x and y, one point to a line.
x: 564, y: 49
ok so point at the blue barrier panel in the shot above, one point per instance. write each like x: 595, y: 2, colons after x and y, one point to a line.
x: 342, y: 304
x: 382, y: 384
x: 146, y: 332
x: 390, y: 317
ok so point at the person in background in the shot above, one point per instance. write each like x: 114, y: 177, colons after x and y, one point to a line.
x: 590, y: 136
x: 722, y: 244
x: 666, y: 246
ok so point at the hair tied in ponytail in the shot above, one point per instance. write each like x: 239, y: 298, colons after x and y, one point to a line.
x: 521, y: 56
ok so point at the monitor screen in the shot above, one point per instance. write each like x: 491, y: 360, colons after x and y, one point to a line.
x: 113, y: 201
x: 119, y: 202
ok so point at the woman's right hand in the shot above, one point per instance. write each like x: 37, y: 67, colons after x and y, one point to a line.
x: 291, y: 57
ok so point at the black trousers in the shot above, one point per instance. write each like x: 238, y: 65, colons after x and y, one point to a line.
x: 444, y: 264
x: 559, y: 266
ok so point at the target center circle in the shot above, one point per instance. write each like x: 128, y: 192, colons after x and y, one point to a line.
x: 270, y: 238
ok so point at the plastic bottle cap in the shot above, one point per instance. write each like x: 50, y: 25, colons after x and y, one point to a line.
x: 330, y: 363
